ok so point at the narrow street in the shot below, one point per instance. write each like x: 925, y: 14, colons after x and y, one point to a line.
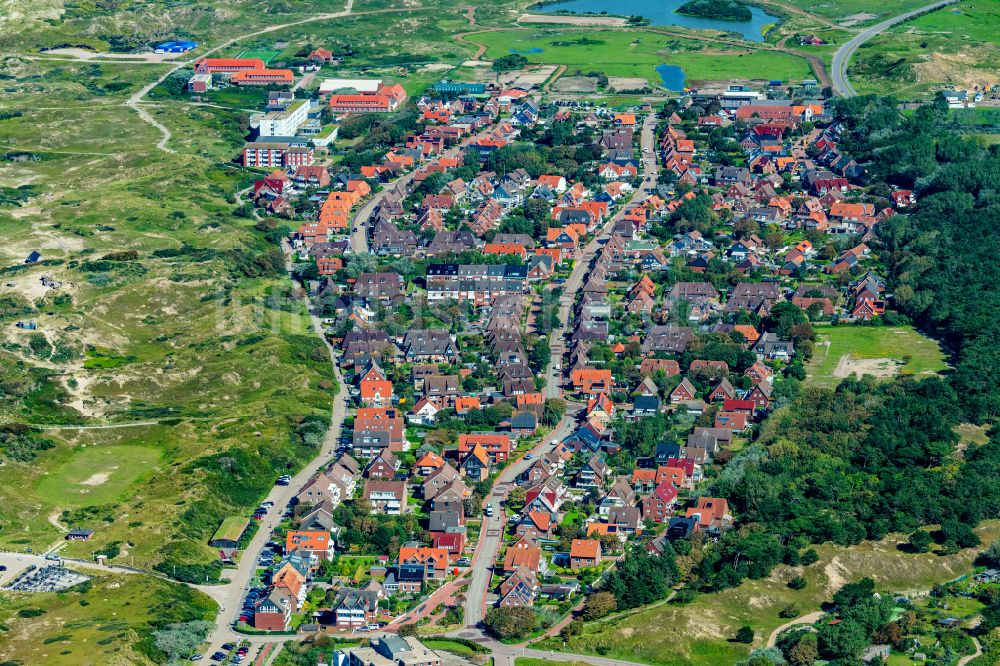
x: 359, y: 222
x: 230, y: 595
x: 491, y: 535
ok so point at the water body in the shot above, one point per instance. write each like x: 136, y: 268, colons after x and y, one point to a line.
x: 533, y: 49
x: 663, y: 12
x: 672, y: 77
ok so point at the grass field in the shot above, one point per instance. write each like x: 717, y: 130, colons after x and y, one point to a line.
x: 637, y: 53
x: 267, y: 55
x: 97, y: 475
x: 106, y: 621
x: 699, y: 632
x: 882, y: 351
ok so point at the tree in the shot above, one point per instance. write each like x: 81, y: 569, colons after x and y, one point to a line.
x: 797, y: 583
x: 804, y: 652
x: 510, y: 62
x: 920, y: 541
x: 991, y: 556
x: 851, y: 593
x: 765, y: 656
x: 515, y: 499
x: 844, y: 640
x: 788, y: 612
x: 598, y: 605
x: 408, y: 629
x: 555, y: 409
x: 511, y: 621
x: 745, y: 634
x: 179, y: 641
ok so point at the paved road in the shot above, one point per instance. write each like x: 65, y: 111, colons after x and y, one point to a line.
x: 134, y: 101
x: 491, y: 532
x: 230, y: 595
x: 359, y: 224
x: 843, y: 55
x: 488, y: 546
x: 505, y: 655
x: 809, y: 618
x: 555, y: 372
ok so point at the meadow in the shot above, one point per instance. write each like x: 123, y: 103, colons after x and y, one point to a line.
x: 636, y: 53
x: 172, y: 310
x: 700, y: 632
x: 97, y: 474
x: 898, y: 349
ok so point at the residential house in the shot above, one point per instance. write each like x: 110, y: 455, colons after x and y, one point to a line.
x: 388, y: 497
x: 658, y: 505
x: 584, y: 553
x: 314, y: 546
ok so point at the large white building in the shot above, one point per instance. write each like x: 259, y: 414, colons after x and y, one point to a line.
x: 285, y: 122
x: 361, y: 85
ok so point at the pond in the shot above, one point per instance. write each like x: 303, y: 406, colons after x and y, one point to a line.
x: 533, y: 49
x: 672, y: 77
x: 664, y: 12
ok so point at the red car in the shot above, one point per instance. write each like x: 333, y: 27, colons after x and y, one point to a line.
x: 244, y: 618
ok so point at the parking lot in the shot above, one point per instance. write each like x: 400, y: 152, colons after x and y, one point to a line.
x: 48, y: 578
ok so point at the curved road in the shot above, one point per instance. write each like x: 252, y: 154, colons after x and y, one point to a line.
x: 358, y: 232
x: 843, y: 55
x: 136, y: 98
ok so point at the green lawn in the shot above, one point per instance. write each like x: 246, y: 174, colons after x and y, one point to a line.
x: 637, y: 53
x: 969, y: 21
x: 267, y: 55
x: 890, y: 350
x: 97, y: 475
x: 699, y: 632
x: 454, y: 647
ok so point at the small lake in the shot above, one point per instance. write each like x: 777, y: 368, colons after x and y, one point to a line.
x: 663, y: 12
x: 672, y: 77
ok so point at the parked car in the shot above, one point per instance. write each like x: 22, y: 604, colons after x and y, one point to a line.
x: 218, y: 656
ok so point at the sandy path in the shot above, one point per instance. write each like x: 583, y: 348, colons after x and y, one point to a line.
x: 809, y: 618
x: 613, y: 21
